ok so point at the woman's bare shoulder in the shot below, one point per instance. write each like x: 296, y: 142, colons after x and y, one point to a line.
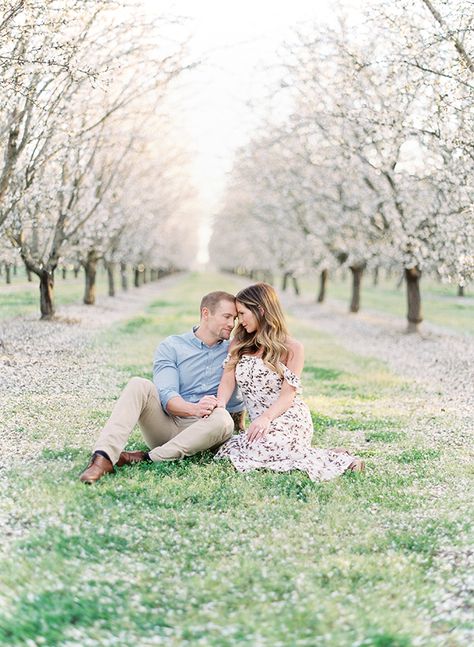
x: 294, y: 346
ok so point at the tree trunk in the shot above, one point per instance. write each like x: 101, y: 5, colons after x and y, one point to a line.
x: 110, y: 267
x: 323, y: 279
x: 136, y: 277
x: 414, y: 316
x: 375, y: 276
x: 29, y: 276
x: 284, y: 284
x: 46, y: 294
x: 145, y: 275
x: 14, y: 269
x: 76, y: 271
x: 8, y: 273
x: 295, y: 285
x: 123, y: 276
x: 64, y: 272
x: 357, y: 271
x: 461, y: 291
x: 90, y: 269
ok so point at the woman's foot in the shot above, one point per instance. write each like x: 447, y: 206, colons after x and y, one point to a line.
x: 357, y: 465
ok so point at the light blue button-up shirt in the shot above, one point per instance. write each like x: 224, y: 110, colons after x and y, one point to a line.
x: 186, y: 366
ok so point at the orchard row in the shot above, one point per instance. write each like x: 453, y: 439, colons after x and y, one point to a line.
x: 89, y: 165
x: 364, y: 158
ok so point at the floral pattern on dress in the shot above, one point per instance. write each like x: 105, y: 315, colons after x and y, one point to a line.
x: 287, y: 444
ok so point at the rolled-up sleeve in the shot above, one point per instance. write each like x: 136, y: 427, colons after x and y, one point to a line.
x: 165, y: 372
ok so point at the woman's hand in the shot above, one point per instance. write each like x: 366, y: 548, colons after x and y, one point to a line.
x: 258, y: 429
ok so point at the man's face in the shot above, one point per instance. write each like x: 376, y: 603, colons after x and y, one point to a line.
x: 220, y: 323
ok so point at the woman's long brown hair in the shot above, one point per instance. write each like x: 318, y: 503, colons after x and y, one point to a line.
x: 271, y: 335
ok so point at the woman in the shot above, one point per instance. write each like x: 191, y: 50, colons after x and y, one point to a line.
x: 267, y: 364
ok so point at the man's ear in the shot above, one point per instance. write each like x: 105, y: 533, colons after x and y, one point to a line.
x: 205, y: 313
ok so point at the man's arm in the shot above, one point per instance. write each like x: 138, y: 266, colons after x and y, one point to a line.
x: 178, y: 407
x: 166, y: 380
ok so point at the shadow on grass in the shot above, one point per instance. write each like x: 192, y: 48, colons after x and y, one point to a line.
x: 87, y: 544
x: 49, y: 615
x: 385, y: 639
x: 48, y: 618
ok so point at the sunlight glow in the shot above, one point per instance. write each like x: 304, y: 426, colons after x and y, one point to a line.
x: 237, y: 43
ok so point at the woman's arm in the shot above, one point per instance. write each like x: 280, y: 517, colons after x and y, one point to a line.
x: 226, y: 387
x: 295, y: 362
x: 227, y: 383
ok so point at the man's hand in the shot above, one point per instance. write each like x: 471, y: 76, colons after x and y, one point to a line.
x: 206, y: 406
x: 258, y: 429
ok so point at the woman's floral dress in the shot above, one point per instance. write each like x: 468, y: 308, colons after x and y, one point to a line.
x: 287, y: 444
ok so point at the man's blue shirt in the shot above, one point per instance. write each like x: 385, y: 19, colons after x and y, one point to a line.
x: 186, y: 366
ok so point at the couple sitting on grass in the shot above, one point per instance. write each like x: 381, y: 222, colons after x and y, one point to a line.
x: 201, y: 384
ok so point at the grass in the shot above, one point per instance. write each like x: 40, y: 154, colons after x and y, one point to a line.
x: 193, y: 553
x: 440, y: 305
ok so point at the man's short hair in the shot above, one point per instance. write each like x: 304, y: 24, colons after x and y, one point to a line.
x: 211, y: 300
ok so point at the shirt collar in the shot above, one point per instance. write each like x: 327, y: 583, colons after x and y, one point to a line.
x: 199, y: 342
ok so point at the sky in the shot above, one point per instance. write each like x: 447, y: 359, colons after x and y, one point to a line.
x: 238, y: 43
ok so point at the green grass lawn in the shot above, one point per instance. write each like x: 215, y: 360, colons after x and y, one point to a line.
x: 193, y: 553
x: 440, y: 305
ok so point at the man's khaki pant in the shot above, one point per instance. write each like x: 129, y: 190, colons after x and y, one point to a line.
x: 168, y: 437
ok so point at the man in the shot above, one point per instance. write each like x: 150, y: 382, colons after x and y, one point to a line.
x: 177, y: 412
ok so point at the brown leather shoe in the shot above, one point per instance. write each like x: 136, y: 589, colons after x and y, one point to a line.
x: 98, y: 466
x: 130, y: 458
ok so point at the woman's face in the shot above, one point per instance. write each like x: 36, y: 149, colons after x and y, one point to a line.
x: 247, y: 319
